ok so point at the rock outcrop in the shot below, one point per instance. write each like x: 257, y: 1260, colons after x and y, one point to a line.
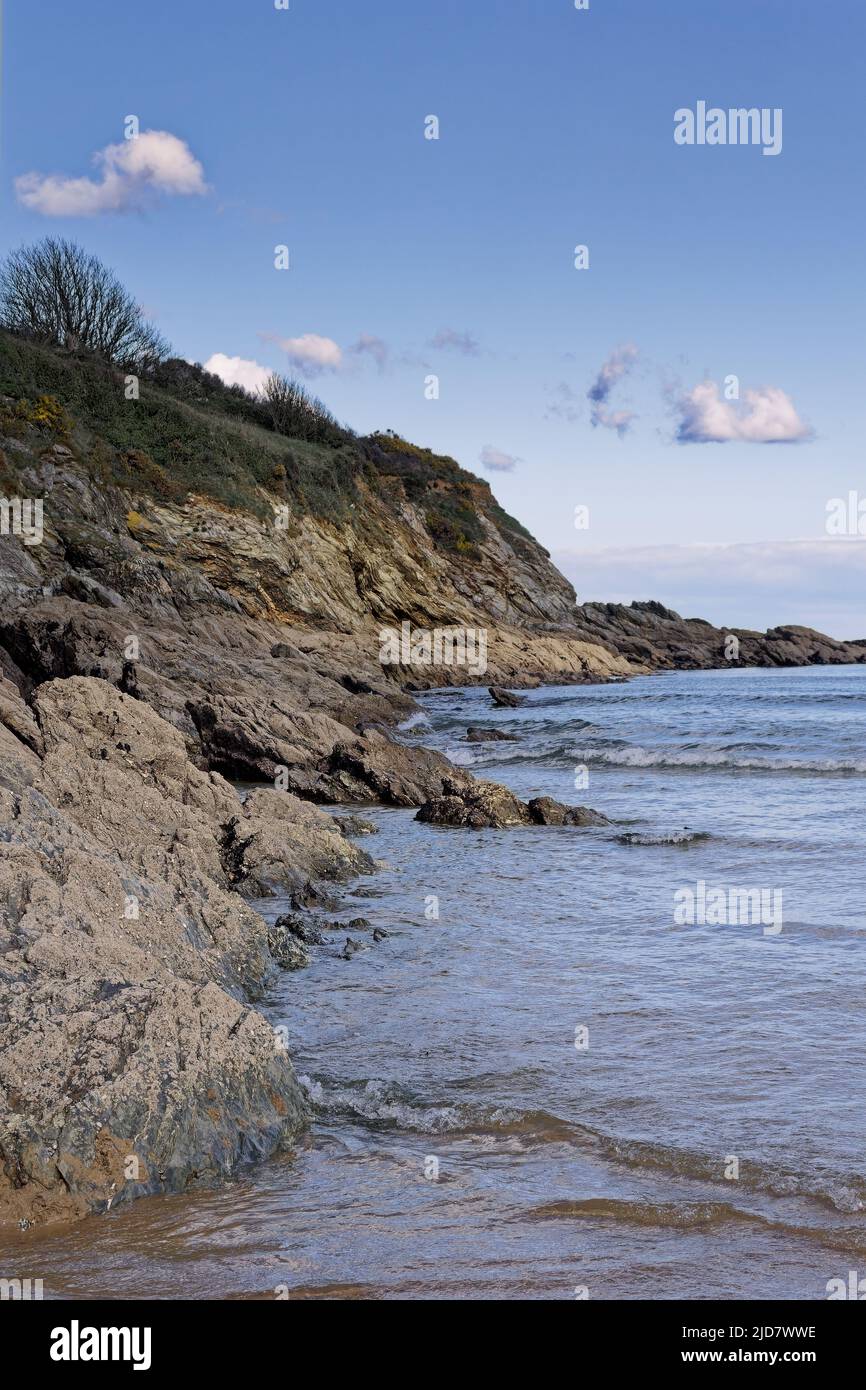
x: 655, y: 636
x: 482, y: 805
x: 131, y: 1059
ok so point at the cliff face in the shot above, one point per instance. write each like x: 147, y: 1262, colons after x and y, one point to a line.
x: 238, y: 581
x: 162, y: 631
x: 181, y: 511
x: 334, y: 533
x: 202, y: 598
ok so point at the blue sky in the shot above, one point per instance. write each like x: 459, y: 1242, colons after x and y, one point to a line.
x: 455, y: 257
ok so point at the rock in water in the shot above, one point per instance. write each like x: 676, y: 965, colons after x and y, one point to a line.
x: 487, y: 805
x: 505, y: 697
x: 545, y: 811
x: 474, y: 735
x: 304, y: 929
x: 352, y: 826
x: 479, y: 806
x: 287, y: 949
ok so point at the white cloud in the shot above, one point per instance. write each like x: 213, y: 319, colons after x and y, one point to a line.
x: 155, y: 162
x: 769, y: 417
x: 817, y: 583
x: 618, y: 365
x: 496, y: 460
x: 238, y: 371
x: 310, y: 354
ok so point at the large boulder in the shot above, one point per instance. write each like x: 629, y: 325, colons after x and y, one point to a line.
x: 131, y: 1061
x: 278, y: 841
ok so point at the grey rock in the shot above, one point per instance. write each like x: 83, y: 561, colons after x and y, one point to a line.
x: 476, y: 735
x: 544, y: 810
x: 487, y: 805
x: 131, y: 1062
x: 505, y: 697
x: 286, y: 947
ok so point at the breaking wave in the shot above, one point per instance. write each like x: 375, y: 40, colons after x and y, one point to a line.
x: 676, y: 837
x: 390, y: 1105
x: 690, y: 758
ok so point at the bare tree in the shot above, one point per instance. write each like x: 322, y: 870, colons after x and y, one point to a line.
x: 56, y: 292
x: 296, y: 413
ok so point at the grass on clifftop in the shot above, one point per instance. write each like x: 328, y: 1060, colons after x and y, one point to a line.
x: 189, y: 432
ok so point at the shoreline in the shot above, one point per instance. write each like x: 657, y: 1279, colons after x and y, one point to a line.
x: 383, y: 1095
x: 214, y: 855
x: 270, y: 841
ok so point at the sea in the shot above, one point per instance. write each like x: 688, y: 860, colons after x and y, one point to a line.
x: 618, y: 1062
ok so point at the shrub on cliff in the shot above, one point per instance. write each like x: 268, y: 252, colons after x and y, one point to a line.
x: 294, y: 412
x: 56, y: 292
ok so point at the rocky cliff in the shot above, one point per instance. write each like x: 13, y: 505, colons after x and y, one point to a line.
x: 651, y: 634
x: 202, y: 599
x: 159, y: 632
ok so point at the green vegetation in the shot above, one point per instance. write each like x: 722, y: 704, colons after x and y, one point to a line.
x: 163, y: 444
x: 78, y: 362
x: 452, y: 498
x: 297, y: 414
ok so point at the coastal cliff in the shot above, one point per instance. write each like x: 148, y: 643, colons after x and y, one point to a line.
x: 204, y: 605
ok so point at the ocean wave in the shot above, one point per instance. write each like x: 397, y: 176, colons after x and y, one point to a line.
x: 381, y: 1103
x: 846, y: 1194
x: 687, y: 1216
x: 689, y: 758
x: 674, y: 837
x: 497, y: 754
x: 614, y: 752
x: 419, y: 718
x: 391, y: 1104
x: 682, y: 1215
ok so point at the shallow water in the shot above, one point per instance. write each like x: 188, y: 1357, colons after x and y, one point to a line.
x: 463, y: 1146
